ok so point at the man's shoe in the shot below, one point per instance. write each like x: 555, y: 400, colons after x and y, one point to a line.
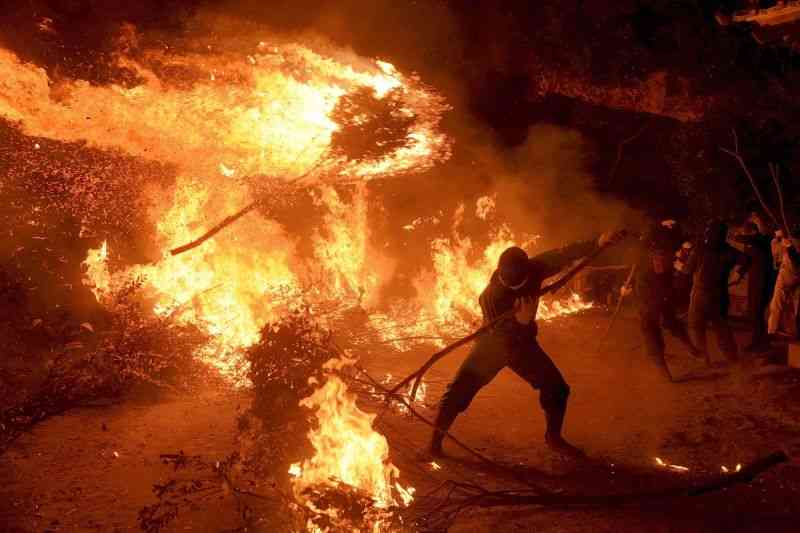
x: 562, y: 447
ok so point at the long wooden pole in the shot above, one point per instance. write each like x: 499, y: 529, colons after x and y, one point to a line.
x: 617, y: 310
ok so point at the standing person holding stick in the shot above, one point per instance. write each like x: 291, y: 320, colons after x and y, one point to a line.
x: 516, y: 286
x: 710, y: 265
x: 654, y: 288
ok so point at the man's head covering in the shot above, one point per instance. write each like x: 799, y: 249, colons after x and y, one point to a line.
x: 659, y: 237
x: 513, y: 267
x: 716, y: 234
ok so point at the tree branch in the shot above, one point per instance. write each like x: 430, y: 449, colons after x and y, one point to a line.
x: 775, y: 171
x: 738, y: 157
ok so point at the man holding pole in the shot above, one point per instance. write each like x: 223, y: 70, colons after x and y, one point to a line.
x: 654, y: 288
x: 516, y: 285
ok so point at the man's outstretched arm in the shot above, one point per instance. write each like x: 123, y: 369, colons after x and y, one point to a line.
x: 554, y: 261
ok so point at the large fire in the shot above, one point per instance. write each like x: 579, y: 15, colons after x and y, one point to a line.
x: 251, y: 127
x: 254, y: 125
x: 260, y: 127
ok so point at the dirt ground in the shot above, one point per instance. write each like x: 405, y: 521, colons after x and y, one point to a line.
x: 92, y: 469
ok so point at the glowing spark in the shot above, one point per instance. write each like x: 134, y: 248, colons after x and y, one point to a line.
x: 226, y: 171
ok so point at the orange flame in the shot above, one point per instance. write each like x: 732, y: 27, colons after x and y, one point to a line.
x: 350, y: 266
x: 267, y: 113
x: 347, y: 448
x: 461, y: 271
x: 97, y: 276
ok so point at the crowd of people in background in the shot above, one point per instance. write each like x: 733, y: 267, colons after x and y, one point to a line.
x: 706, y: 268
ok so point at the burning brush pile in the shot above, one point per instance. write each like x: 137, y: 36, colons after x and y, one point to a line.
x: 261, y: 244
x: 306, y: 441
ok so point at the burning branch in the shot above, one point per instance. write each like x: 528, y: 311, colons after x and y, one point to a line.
x: 227, y: 221
x: 371, y: 130
x: 476, y: 496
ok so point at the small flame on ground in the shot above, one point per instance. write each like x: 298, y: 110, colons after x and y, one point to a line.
x: 348, y: 449
x: 435, y: 466
x: 665, y: 464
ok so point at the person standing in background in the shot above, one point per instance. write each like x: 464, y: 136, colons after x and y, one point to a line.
x: 760, y: 278
x: 784, y: 305
x: 655, y: 294
x: 710, y: 265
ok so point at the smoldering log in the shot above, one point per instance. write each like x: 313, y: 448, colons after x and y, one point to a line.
x: 519, y: 498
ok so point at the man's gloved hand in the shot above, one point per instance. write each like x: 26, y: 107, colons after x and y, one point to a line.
x: 625, y: 290
x: 525, y: 310
x: 611, y: 237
